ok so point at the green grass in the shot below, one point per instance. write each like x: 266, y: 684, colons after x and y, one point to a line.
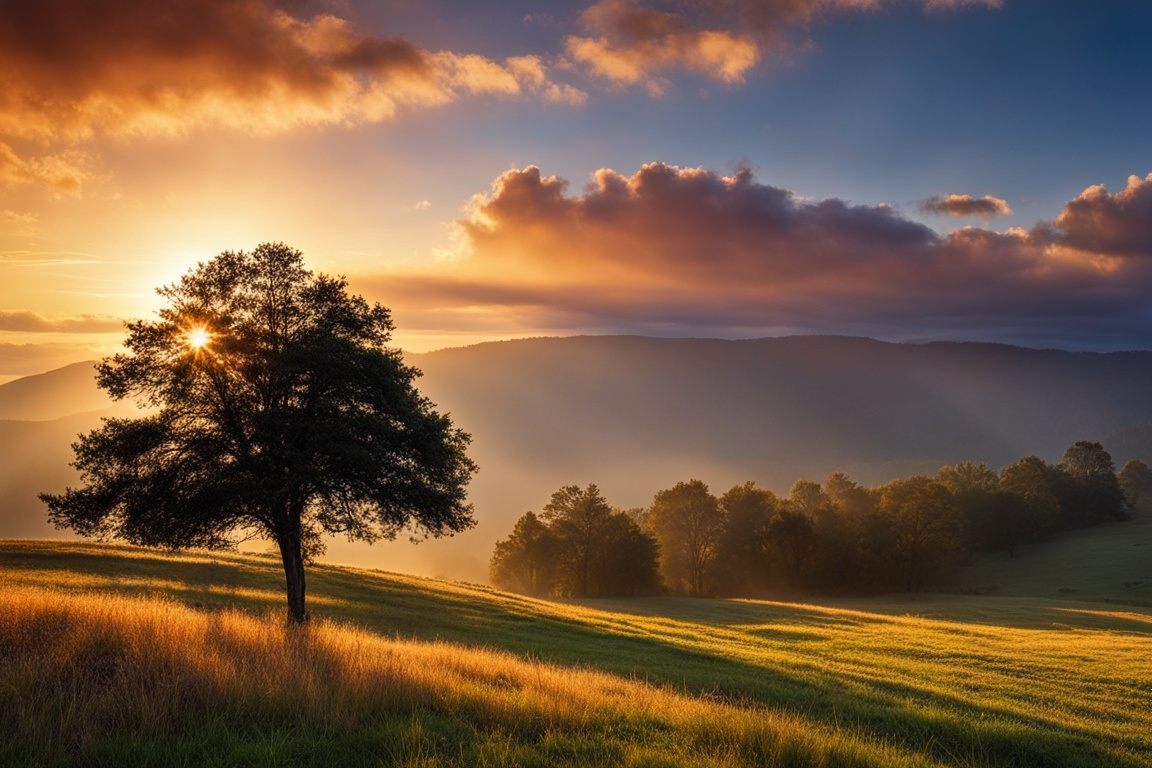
x: 1106, y: 563
x: 933, y: 679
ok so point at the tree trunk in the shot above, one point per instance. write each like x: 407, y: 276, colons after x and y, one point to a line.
x: 290, y: 553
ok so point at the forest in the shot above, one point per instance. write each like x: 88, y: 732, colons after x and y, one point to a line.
x: 830, y: 538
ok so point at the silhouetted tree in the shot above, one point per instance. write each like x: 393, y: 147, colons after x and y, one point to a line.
x: 807, y: 497
x: 687, y: 522
x: 1135, y: 480
x: 1037, y: 511
x: 741, y: 562
x: 847, y: 495
x: 525, y: 562
x: 924, y: 525
x: 834, y: 560
x: 790, y: 541
x: 579, y: 547
x: 1098, y: 495
x: 630, y: 558
x: 279, y: 410
x: 974, y: 488
x: 579, y: 518
x: 967, y: 476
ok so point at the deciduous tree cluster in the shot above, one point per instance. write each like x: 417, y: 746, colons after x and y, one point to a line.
x: 577, y: 547
x: 835, y: 537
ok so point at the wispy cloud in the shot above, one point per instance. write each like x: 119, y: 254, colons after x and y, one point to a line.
x: 44, y: 258
x: 632, y: 42
x: 64, y: 172
x: 33, y: 322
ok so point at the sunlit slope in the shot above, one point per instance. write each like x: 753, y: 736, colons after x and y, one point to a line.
x: 1109, y: 563
x: 956, y: 680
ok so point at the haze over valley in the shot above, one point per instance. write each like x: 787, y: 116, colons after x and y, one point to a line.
x: 635, y: 415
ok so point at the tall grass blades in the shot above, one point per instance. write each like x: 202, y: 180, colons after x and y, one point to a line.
x: 101, y: 679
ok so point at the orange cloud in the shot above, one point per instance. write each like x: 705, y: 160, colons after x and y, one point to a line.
x: 32, y: 322
x: 64, y: 172
x: 633, y: 44
x: 630, y: 43
x: 673, y: 250
x: 1112, y: 225
x: 986, y: 207
x: 73, y: 69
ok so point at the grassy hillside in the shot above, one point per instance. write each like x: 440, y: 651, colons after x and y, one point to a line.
x: 1107, y: 563
x: 451, y: 673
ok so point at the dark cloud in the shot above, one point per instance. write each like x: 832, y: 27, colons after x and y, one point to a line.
x: 986, y: 207
x: 690, y: 251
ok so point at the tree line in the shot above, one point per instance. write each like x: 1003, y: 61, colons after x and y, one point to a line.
x: 835, y: 537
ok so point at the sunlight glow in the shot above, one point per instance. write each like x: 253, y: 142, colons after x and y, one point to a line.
x: 198, y: 337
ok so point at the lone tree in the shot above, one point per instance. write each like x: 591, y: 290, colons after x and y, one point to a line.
x: 277, y: 411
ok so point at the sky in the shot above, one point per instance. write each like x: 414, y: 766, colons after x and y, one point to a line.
x: 909, y: 170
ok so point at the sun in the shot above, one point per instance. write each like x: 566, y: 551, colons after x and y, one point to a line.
x: 198, y: 337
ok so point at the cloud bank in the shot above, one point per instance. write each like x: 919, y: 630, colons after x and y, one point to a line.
x: 74, y: 69
x: 674, y: 250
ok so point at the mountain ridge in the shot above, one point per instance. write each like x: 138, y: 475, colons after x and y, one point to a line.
x: 636, y: 414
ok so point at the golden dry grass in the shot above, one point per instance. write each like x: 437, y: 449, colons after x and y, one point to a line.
x: 940, y: 679
x: 102, y: 678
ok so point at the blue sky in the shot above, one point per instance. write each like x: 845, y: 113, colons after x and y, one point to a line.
x: 396, y: 142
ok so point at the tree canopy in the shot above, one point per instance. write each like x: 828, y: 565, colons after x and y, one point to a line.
x: 277, y: 410
x: 687, y: 521
x: 578, y: 547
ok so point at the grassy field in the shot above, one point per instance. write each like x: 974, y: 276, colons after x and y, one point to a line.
x: 1106, y: 563
x: 115, y: 655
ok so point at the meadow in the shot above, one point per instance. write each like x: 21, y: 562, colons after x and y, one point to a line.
x: 114, y: 655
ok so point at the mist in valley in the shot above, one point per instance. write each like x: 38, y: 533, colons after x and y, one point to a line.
x: 636, y: 415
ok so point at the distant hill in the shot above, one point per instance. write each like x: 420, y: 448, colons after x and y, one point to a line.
x: 635, y: 415
x: 62, y: 392
x: 40, y: 418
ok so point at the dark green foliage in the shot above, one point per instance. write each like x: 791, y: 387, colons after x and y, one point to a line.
x: 742, y: 561
x: 1135, y: 480
x: 578, y: 547
x: 525, y: 562
x: 1032, y: 510
x: 293, y: 421
x: 1095, y: 493
x: 924, y: 527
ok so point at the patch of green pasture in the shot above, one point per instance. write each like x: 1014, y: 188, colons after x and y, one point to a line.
x: 1111, y: 562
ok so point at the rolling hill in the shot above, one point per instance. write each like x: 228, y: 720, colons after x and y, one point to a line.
x: 183, y: 659
x: 63, y: 392
x: 635, y: 415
